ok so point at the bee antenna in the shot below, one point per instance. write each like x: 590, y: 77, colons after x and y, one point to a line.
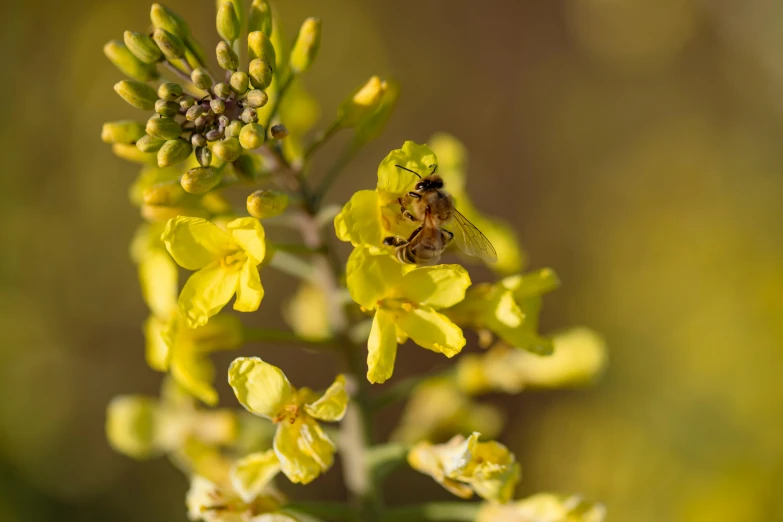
x: 409, y: 170
x: 434, y: 168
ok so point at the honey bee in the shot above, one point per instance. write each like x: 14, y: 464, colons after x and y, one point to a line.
x: 433, y: 207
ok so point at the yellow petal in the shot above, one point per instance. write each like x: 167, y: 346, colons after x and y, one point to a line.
x: 222, y: 332
x: 437, y: 286
x: 251, y: 474
x: 370, y: 277
x: 360, y: 220
x: 195, y: 242
x: 158, y: 278
x: 131, y: 425
x: 331, y: 406
x: 304, y: 450
x: 157, y: 348
x: 261, y: 388
x: 418, y: 158
x: 195, y: 372
x: 249, y: 234
x: 431, y: 330
x: 206, y: 292
x: 381, y: 347
x: 249, y: 290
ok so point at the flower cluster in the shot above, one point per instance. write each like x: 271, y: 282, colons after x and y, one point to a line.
x: 207, y: 138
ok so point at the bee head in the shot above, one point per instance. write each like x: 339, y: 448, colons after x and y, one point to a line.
x: 430, y: 183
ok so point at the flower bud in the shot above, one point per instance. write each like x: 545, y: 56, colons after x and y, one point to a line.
x: 247, y: 167
x: 214, y: 135
x: 165, y: 18
x: 187, y: 102
x: 149, y: 144
x: 308, y: 41
x: 260, y: 17
x: 201, y: 79
x: 194, y: 54
x: 234, y: 128
x: 198, y: 140
x: 362, y: 104
x: 227, y: 150
x: 132, y: 153
x: 200, y: 180
x: 222, y: 90
x: 126, y: 62
x: 194, y: 112
x: 371, y: 127
x: 249, y: 115
x: 163, y: 128
x: 266, y: 203
x: 239, y: 82
x: 138, y: 94
x: 252, y: 136
x: 201, y: 121
x: 171, y: 46
x: 169, y: 109
x: 260, y: 74
x: 169, y: 91
x: 165, y: 194
x: 227, y: 22
x: 260, y: 47
x: 256, y: 98
x: 174, y: 152
x: 226, y: 57
x: 278, y: 132
x: 124, y: 131
x: 223, y: 121
x: 204, y: 156
x: 142, y: 47
x: 217, y: 105
x: 131, y: 426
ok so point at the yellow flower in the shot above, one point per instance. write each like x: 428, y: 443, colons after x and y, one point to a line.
x: 225, y: 263
x: 302, y: 448
x: 405, y: 300
x: 464, y: 466
x: 543, y: 507
x: 579, y: 357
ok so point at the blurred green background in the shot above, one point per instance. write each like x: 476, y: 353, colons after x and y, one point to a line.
x: 635, y: 146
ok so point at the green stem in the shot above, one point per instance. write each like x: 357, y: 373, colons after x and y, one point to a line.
x: 279, y: 98
x: 402, y: 389
x: 292, y: 265
x: 280, y: 336
x: 296, y: 248
x: 345, y: 158
x: 434, y: 512
x: 332, y: 511
x: 382, y: 459
x: 321, y: 139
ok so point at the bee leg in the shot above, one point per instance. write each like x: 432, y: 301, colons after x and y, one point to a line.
x: 414, y: 195
x: 447, y: 236
x: 405, y: 212
x: 414, y: 234
x: 395, y: 241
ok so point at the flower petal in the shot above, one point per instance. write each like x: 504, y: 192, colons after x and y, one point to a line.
x: 304, y: 450
x: 195, y: 372
x: 206, y: 292
x: 158, y: 278
x: 157, y: 348
x: 437, y: 286
x: 251, y: 474
x: 431, y: 330
x: 370, y: 277
x: 360, y: 220
x: 381, y: 347
x: 249, y: 290
x: 261, y: 388
x: 249, y: 234
x: 331, y: 406
x: 418, y: 158
x: 195, y: 242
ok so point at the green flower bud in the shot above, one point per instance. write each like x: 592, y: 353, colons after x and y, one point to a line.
x: 131, y: 426
x: 201, y: 78
x: 164, y: 194
x: 227, y: 22
x: 308, y: 41
x: 362, y: 104
x: 165, y: 108
x: 249, y: 115
x: 200, y: 180
x: 201, y: 121
x: 130, y: 152
x: 257, y: 98
x: 138, y: 94
x: 214, y: 135
x: 198, y: 140
x: 169, y: 91
x: 260, y: 74
x: 260, y: 17
x: 278, y: 132
x: 226, y: 57
x: 222, y: 90
x: 171, y: 46
x: 174, y: 152
x: 239, y: 82
x: 260, y: 47
x: 163, y: 128
x: 234, y: 128
x: 204, y: 156
x: 223, y: 120
x: 124, y: 131
x: 142, y: 47
x: 252, y: 136
x: 370, y: 128
x: 218, y: 106
x: 165, y: 18
x: 228, y: 149
x: 126, y: 62
x: 247, y: 167
x: 267, y: 203
x: 194, y: 112
x: 149, y: 144
x: 187, y: 102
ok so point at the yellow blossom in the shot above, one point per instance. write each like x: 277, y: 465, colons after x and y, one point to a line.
x: 543, y: 507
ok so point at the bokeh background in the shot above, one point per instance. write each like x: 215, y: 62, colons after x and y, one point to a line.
x: 635, y: 146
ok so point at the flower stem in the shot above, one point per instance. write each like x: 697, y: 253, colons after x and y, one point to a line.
x: 382, y: 459
x: 322, y: 138
x: 279, y: 98
x: 336, y: 511
x: 434, y: 512
x: 264, y: 334
x: 345, y: 158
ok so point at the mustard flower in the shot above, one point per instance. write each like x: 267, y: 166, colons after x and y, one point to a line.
x: 225, y: 262
x: 543, y: 507
x: 303, y: 451
x: 464, y: 466
x: 406, y: 301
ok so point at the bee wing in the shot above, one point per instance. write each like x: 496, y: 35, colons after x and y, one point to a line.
x: 471, y: 241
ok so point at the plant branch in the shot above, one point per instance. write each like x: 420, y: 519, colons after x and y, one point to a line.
x: 322, y: 138
x: 281, y: 336
x: 345, y: 158
x: 332, y: 511
x: 279, y: 98
x: 434, y: 512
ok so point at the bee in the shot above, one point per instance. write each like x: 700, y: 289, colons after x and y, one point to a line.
x: 433, y: 207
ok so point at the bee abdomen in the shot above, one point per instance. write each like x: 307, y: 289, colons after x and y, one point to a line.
x: 405, y: 255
